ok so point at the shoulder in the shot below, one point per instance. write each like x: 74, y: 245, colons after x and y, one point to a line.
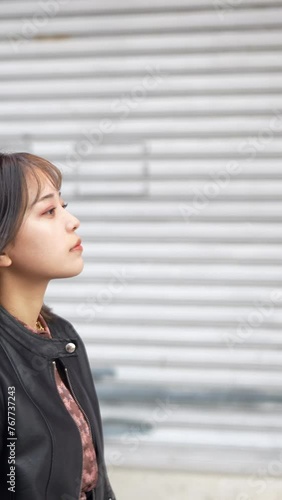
x: 63, y: 327
x: 60, y: 323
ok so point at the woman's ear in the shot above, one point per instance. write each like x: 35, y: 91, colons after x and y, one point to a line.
x: 5, y: 260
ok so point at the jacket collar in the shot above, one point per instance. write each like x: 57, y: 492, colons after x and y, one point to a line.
x: 62, y: 334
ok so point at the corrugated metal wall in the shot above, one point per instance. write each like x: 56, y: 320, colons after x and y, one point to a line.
x: 166, y: 119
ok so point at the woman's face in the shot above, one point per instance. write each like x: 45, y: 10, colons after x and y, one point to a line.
x: 44, y: 246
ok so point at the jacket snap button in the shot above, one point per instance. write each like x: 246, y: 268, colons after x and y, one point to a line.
x: 70, y: 347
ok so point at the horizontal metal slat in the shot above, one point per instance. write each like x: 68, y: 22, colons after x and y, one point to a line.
x: 241, y: 318
x: 19, y: 8
x: 147, y: 43
x: 159, y: 65
x: 150, y: 103
x: 144, y: 128
x: 148, y: 21
x: 201, y: 189
x: 149, y: 106
x: 244, y: 232
x: 193, y: 417
x: 208, y: 189
x: 251, y: 253
x: 179, y: 378
x: 139, y: 209
x: 209, y: 168
x: 201, y: 459
x: 92, y: 293
x: 58, y: 87
x: 111, y: 169
x: 95, y: 332
x: 169, y: 356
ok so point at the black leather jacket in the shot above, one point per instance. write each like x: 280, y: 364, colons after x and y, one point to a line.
x: 40, y: 447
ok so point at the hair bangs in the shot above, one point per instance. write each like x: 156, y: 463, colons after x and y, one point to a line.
x: 41, y: 169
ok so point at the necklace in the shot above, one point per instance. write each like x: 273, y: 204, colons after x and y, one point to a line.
x: 39, y: 326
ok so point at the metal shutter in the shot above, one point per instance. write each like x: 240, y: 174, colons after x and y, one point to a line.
x: 166, y: 120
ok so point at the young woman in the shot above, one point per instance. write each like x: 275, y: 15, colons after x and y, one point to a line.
x: 51, y: 439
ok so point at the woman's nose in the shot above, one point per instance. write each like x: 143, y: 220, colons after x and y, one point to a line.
x: 73, y: 223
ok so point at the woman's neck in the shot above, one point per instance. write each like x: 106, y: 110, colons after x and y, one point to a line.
x: 22, y: 300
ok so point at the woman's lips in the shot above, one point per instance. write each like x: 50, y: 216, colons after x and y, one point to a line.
x: 78, y: 246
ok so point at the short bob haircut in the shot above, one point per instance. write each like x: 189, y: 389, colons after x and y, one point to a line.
x: 15, y: 171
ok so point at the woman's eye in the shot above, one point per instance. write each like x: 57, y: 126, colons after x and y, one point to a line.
x: 52, y: 210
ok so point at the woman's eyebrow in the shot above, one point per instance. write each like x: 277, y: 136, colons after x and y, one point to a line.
x: 45, y: 197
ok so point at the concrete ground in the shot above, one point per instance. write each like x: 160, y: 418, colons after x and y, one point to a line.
x: 133, y: 484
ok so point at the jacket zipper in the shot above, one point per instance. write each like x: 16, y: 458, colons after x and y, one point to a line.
x: 86, y: 418
x: 54, y: 366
